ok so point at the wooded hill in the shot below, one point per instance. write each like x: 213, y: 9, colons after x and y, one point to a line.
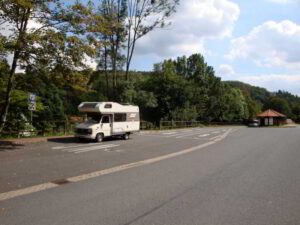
x: 281, y: 101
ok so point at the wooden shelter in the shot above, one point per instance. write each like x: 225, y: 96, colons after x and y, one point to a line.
x: 271, y: 118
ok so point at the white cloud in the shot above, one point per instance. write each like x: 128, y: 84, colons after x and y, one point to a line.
x: 275, y: 82
x: 284, y: 1
x: 225, y: 71
x: 90, y: 62
x: 270, y: 44
x: 7, y: 29
x: 272, y: 82
x: 194, y: 22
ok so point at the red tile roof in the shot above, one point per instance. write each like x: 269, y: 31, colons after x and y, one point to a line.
x: 270, y: 113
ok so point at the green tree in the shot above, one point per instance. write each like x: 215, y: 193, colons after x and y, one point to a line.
x: 279, y: 104
x: 114, y: 13
x: 234, y: 107
x: 56, y: 39
x: 296, y: 112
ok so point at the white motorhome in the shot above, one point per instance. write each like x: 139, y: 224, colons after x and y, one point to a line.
x: 106, y: 119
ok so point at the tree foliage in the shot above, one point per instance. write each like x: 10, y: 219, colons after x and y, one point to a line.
x: 43, y: 33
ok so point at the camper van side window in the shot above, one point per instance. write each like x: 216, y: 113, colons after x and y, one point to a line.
x: 105, y: 119
x: 120, y: 117
x: 108, y: 106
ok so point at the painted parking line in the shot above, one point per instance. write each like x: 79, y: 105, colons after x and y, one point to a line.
x: 194, y: 133
x: 216, y: 132
x: 204, y: 135
x: 84, y: 147
x: 215, y: 137
x: 182, y: 134
x: 186, y: 134
x: 73, y: 146
x: 168, y: 133
x: 95, y: 148
x: 91, y: 147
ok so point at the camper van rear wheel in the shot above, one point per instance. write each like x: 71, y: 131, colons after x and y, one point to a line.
x: 126, y: 136
x: 99, y: 137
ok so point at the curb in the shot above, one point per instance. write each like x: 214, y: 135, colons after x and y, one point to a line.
x: 24, y: 141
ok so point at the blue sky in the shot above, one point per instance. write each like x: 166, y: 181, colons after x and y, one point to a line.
x: 255, y: 41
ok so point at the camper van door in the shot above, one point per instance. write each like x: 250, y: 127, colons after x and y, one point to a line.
x: 106, y: 125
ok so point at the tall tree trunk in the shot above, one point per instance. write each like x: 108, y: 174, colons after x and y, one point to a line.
x: 9, y: 89
x: 105, y: 72
x: 10, y: 84
x: 128, y: 52
x: 129, y: 57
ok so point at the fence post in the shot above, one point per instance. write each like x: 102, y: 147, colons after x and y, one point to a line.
x: 65, y: 127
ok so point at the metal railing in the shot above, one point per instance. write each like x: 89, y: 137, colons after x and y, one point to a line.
x: 179, y: 124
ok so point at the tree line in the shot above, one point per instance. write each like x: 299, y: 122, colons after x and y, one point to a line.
x: 46, y: 45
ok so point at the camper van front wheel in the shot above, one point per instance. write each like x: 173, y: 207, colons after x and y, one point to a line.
x: 126, y: 136
x: 99, y: 137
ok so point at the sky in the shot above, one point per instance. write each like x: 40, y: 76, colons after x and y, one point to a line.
x: 253, y: 41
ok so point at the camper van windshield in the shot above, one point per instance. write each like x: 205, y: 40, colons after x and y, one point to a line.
x: 92, y: 118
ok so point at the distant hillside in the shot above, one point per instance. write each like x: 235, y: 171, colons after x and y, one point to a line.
x: 282, y: 101
x: 259, y: 94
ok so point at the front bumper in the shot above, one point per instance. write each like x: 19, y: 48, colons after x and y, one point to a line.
x: 86, y: 136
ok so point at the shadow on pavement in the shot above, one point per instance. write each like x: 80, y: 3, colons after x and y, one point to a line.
x: 8, y: 146
x: 74, y: 140
x: 65, y: 140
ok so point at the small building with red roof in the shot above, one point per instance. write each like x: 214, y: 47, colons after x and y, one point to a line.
x: 271, y: 118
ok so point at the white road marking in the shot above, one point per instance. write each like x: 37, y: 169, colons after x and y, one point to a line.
x: 193, y: 133
x: 84, y: 147
x: 176, y: 134
x: 72, y: 146
x: 204, y: 135
x: 26, y: 191
x: 212, y: 138
x: 92, y: 147
x: 180, y: 133
x: 215, y: 132
x: 188, y: 134
x: 95, y: 148
x: 113, y: 150
x: 49, y: 185
x: 168, y: 133
x: 184, y: 131
x: 185, y: 135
